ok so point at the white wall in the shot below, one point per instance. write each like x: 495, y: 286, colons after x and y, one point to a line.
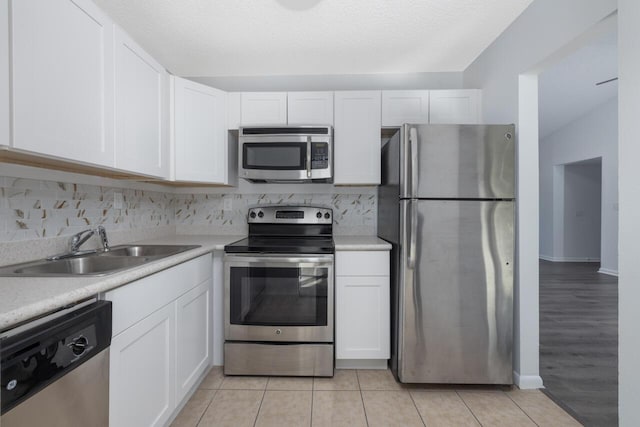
x: 629, y: 177
x: 593, y: 135
x: 582, y: 189
x: 545, y: 27
x: 4, y: 72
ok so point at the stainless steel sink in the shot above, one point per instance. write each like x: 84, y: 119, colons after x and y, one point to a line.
x: 147, y: 250
x: 97, y: 264
x: 86, y: 266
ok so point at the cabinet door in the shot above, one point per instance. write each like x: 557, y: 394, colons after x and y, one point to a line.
x: 362, y: 317
x: 233, y: 110
x: 454, y: 106
x: 142, y: 372
x: 193, y: 337
x: 199, y: 119
x: 405, y: 106
x: 357, y: 137
x: 310, y: 108
x: 263, y: 108
x: 62, y: 59
x: 142, y: 143
x: 4, y: 72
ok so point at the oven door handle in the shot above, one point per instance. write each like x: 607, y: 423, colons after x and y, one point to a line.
x: 279, y: 259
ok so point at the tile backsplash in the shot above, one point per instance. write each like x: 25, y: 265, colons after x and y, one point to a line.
x: 354, y: 214
x: 39, y: 209
x: 33, y: 209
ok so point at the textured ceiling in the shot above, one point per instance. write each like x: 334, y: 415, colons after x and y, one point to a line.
x: 301, y: 37
x: 568, y: 89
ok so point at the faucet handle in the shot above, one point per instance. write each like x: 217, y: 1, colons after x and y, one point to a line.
x: 79, y: 238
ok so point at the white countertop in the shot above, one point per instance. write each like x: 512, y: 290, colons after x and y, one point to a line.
x: 361, y: 243
x: 24, y: 298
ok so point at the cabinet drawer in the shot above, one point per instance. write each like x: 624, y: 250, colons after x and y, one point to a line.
x: 135, y: 301
x: 362, y: 263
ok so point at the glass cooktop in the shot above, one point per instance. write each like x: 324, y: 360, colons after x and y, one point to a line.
x: 283, y: 245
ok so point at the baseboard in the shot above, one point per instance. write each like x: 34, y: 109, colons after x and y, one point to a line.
x: 567, y: 259
x: 361, y: 364
x: 608, y: 271
x: 527, y: 381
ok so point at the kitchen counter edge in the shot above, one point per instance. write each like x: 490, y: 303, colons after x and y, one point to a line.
x: 26, y: 298
x: 360, y: 243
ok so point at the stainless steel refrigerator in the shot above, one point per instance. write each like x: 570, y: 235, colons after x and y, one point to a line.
x: 446, y: 204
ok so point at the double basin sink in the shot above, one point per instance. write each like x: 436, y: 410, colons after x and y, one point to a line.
x: 100, y: 263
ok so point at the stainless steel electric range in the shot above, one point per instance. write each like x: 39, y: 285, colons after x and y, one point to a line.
x: 279, y: 294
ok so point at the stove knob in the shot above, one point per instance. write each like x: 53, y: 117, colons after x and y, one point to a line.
x: 319, y: 215
x: 252, y: 214
x: 260, y: 214
x: 327, y: 215
x: 79, y: 346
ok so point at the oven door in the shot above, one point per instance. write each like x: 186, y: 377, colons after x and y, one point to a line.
x: 279, y: 298
x: 285, y: 158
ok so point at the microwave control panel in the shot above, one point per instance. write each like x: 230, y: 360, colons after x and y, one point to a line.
x: 319, y: 155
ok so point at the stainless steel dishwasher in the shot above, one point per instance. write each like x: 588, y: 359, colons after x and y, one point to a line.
x: 55, y: 371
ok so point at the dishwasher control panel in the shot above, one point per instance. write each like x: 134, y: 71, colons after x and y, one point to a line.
x: 35, y: 358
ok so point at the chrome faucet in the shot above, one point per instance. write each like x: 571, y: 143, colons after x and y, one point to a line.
x: 79, y: 239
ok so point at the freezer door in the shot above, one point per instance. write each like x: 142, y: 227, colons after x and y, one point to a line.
x: 455, y: 304
x: 458, y: 161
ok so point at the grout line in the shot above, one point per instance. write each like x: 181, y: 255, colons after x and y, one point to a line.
x: 215, y: 393
x: 519, y: 407
x: 311, y: 416
x: 260, y: 407
x: 468, y: 408
x: 417, y: 410
x: 364, y: 408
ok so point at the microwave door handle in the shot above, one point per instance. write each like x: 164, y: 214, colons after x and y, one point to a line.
x: 309, y: 157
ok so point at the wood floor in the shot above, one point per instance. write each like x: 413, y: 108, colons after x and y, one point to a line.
x: 579, y: 340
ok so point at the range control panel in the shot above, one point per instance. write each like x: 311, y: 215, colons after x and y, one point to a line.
x: 290, y: 215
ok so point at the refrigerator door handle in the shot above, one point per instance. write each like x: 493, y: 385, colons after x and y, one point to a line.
x: 413, y: 144
x: 413, y: 235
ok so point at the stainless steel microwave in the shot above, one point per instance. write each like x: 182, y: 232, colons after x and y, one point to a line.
x: 286, y: 154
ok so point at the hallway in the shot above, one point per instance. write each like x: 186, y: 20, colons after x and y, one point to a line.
x: 579, y: 340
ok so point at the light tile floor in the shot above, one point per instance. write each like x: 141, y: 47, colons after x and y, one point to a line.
x: 356, y: 398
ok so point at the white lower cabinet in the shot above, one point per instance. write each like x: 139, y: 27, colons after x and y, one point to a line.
x: 161, y: 343
x: 193, y: 337
x: 142, y: 372
x: 362, y: 309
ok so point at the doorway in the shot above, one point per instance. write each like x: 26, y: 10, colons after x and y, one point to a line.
x: 578, y: 322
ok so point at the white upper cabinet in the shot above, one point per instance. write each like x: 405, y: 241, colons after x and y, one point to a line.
x: 263, y: 108
x: 200, y: 132
x: 4, y: 72
x: 454, y: 106
x: 142, y: 110
x: 233, y: 110
x: 62, y: 79
x: 357, y: 137
x: 405, y: 106
x: 310, y: 108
